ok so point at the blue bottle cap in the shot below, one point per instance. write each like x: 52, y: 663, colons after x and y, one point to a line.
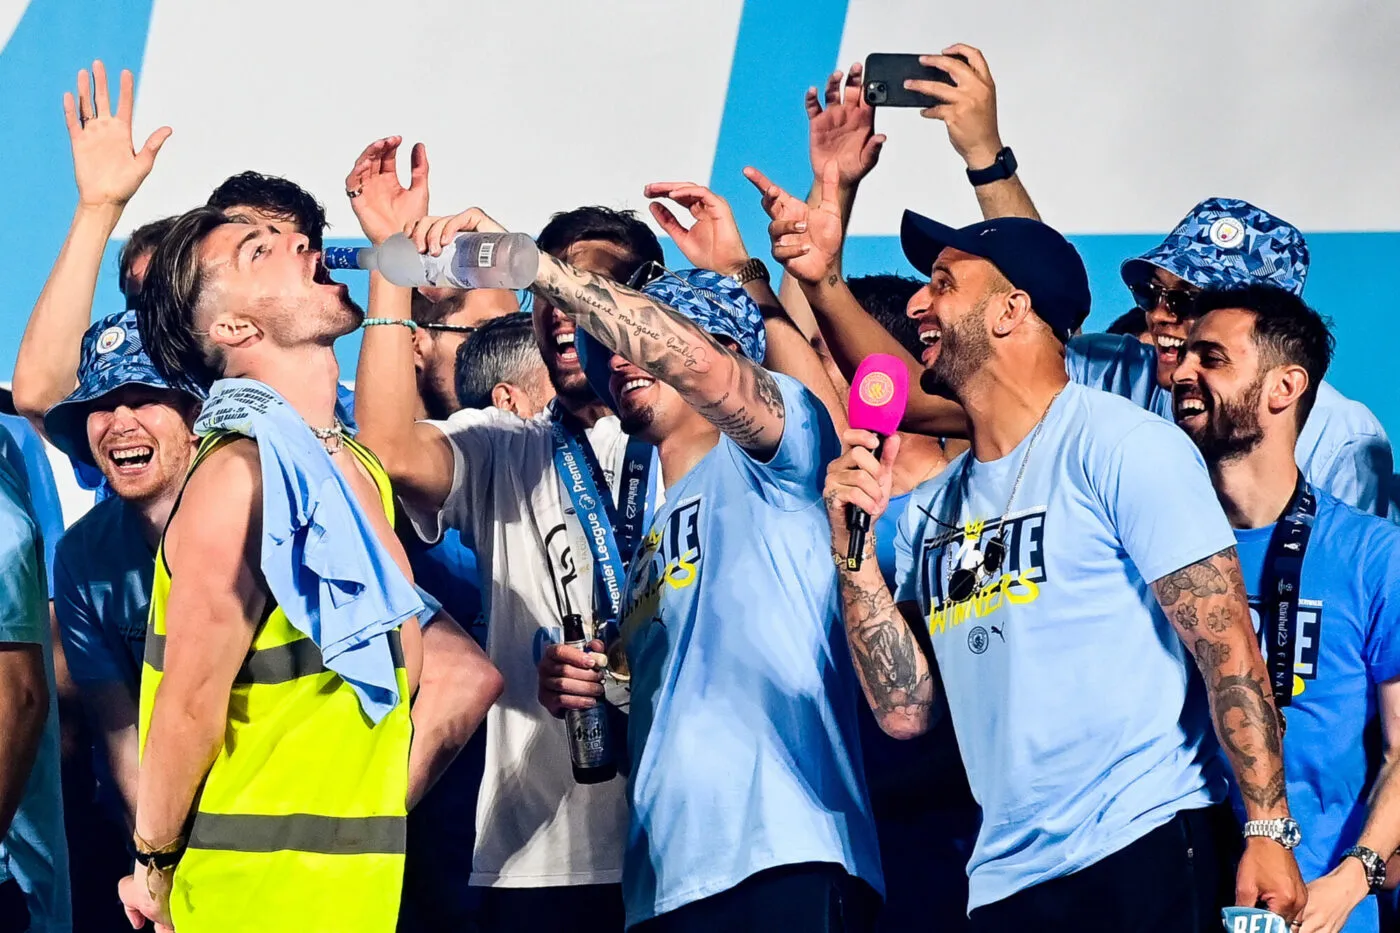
x: 341, y: 257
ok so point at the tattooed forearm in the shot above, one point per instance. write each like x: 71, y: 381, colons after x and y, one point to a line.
x: 737, y: 396
x: 1208, y: 605
x: 893, y: 671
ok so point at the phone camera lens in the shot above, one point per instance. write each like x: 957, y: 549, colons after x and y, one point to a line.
x: 876, y: 92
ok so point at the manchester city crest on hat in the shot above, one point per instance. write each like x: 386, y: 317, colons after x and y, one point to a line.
x: 110, y: 339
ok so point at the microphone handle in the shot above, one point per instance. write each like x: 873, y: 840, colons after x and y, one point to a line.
x: 858, y: 521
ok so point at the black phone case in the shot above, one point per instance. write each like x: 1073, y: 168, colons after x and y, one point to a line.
x: 885, y: 74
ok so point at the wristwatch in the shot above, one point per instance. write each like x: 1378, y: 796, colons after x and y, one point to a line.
x: 751, y: 270
x: 1372, y: 862
x: 1285, y: 831
x: 1004, y: 167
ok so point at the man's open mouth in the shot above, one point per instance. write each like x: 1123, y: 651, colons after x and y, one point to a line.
x: 131, y: 459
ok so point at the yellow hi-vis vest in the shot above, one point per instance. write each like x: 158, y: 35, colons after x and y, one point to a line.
x: 301, y: 821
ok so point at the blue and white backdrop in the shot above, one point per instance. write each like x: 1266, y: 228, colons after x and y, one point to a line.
x: 1122, y: 115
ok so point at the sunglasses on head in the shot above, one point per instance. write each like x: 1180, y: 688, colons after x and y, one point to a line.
x: 963, y: 582
x: 1151, y: 295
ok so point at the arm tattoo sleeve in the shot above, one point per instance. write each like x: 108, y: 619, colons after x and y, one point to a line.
x: 737, y: 396
x: 1207, y: 604
x: 893, y: 670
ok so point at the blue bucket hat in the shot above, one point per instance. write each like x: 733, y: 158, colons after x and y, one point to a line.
x: 1227, y: 243
x: 113, y: 356
x: 718, y: 305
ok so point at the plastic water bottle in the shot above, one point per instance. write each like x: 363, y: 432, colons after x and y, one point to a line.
x: 472, y: 260
x: 590, y: 744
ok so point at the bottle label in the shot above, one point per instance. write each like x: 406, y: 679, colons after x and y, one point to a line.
x: 589, y: 738
x: 340, y: 257
x: 486, y: 253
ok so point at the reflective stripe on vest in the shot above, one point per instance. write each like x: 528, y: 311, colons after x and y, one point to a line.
x: 275, y: 665
x: 301, y: 832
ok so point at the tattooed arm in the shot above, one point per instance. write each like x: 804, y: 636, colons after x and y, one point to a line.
x: 737, y: 396
x: 893, y: 670
x: 1207, y: 604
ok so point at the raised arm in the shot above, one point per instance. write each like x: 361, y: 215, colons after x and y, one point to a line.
x: 737, y: 396
x: 969, y: 110
x: 894, y: 673
x: 713, y: 242
x: 108, y: 173
x: 417, y: 457
x: 807, y: 241
x: 1207, y: 605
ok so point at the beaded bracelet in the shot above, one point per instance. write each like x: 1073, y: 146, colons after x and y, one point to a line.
x: 411, y: 325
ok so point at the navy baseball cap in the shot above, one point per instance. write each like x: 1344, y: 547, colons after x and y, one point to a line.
x: 113, y: 356
x: 1032, y: 256
x: 1227, y: 243
x: 718, y: 305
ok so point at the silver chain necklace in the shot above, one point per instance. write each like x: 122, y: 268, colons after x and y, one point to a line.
x: 975, y: 561
x: 331, y: 438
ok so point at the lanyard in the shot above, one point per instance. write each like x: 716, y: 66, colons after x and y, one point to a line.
x: 612, y: 537
x: 1283, y: 570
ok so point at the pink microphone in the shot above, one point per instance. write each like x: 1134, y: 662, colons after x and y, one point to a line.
x: 879, y: 394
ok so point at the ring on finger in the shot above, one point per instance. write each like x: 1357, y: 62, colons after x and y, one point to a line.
x: 355, y: 193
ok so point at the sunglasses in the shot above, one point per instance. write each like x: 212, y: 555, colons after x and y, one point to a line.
x: 450, y: 328
x: 1180, y: 302
x: 963, y: 582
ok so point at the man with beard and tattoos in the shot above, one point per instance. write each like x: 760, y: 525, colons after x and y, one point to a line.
x: 1324, y: 583
x: 1059, y: 584
x: 543, y: 839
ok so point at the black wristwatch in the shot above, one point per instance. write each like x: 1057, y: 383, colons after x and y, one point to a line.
x: 159, y: 861
x: 1372, y: 862
x: 1004, y: 167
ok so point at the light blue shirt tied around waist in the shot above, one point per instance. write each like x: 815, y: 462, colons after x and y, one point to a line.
x: 346, y: 599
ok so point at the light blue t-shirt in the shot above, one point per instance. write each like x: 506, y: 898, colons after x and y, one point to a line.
x: 1078, y: 717
x: 25, y: 444
x: 34, y: 851
x: 102, y: 595
x: 1348, y: 642
x: 1342, y: 448
x: 742, y: 736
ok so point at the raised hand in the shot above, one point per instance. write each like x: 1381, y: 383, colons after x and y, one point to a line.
x: 713, y: 241
x: 859, y: 478
x: 806, y: 240
x: 380, y: 202
x: 431, y: 234
x: 843, y: 132
x: 106, y: 166
x: 968, y: 108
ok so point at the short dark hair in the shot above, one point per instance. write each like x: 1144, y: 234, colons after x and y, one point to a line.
x: 502, y: 350
x: 886, y: 298
x: 424, y: 311
x: 1286, y: 330
x: 139, y: 242
x: 283, y: 199
x: 1130, y: 324
x: 169, y: 298
x: 624, y: 228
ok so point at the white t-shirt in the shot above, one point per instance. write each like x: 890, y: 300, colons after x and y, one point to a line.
x: 536, y: 827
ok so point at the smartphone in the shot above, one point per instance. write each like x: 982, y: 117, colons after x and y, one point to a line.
x: 885, y: 74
